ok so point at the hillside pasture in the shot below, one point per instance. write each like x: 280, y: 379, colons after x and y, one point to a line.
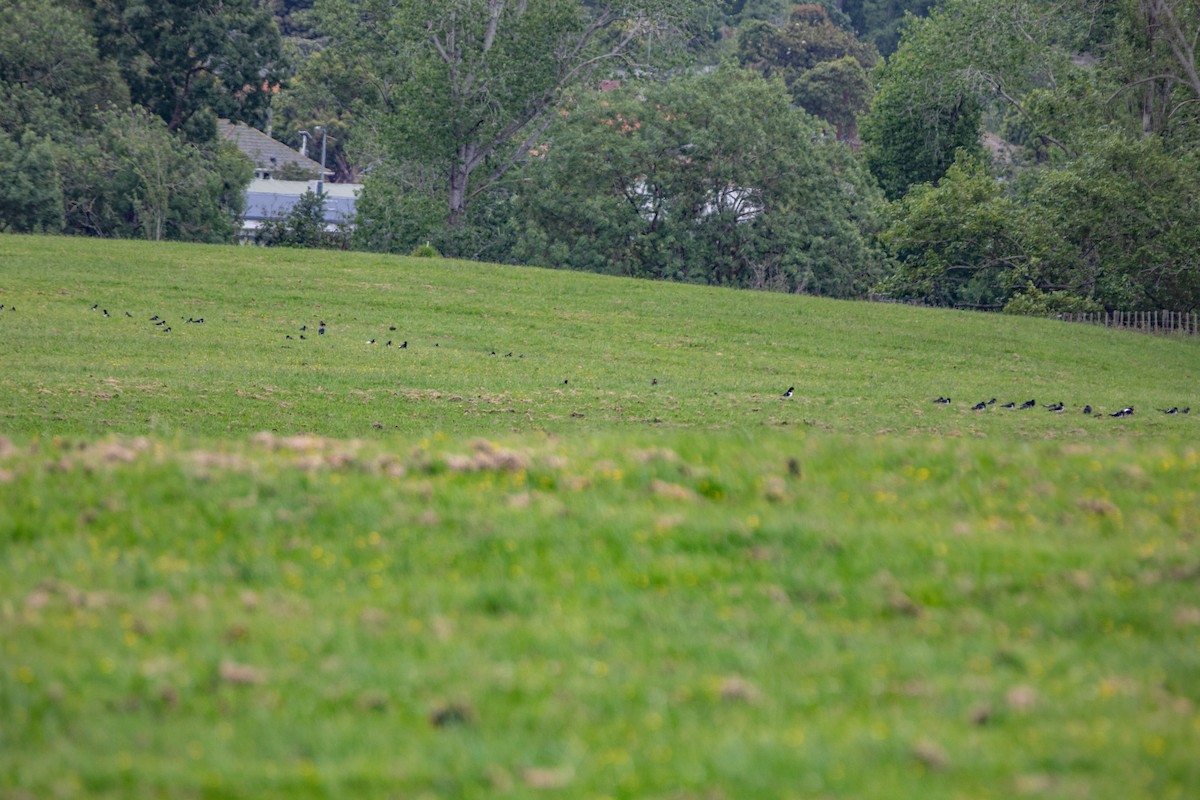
x: 616, y: 563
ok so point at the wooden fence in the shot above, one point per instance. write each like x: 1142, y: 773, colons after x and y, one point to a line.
x: 1162, y: 322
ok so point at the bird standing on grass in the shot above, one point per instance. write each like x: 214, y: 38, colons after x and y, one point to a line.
x: 788, y: 393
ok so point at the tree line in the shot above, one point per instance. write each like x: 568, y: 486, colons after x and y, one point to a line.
x: 1021, y: 155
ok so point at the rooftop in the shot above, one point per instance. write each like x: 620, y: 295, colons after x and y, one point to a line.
x: 267, y: 154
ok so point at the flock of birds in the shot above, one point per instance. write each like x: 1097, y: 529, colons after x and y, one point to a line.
x: 321, y: 327
x: 1057, y: 408
x: 158, y: 321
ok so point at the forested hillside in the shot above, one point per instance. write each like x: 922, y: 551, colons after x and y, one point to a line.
x: 1029, y: 156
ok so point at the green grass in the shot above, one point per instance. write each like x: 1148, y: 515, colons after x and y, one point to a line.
x: 721, y: 358
x: 237, y: 566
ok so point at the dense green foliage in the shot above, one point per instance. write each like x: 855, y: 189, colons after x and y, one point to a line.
x: 713, y: 179
x: 824, y: 67
x: 184, y: 58
x: 1096, y: 205
x: 239, y: 565
x: 107, y: 113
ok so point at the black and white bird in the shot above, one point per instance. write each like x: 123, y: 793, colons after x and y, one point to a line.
x: 404, y: 345
x: 942, y: 400
x: 1087, y: 409
x: 1009, y: 405
x: 1124, y: 412
x: 789, y: 391
x: 370, y: 341
x: 1171, y: 410
x: 980, y: 406
x: 1029, y: 404
x: 992, y: 402
x: 1057, y: 408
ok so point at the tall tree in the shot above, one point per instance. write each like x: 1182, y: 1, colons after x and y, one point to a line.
x: 711, y: 178
x: 133, y: 178
x: 880, y: 21
x: 31, y: 197
x: 52, y: 79
x: 1100, y: 206
x: 182, y: 56
x: 481, y: 78
x: 1156, y: 65
x: 824, y: 66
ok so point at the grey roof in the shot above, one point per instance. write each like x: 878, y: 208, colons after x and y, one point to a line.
x: 265, y: 152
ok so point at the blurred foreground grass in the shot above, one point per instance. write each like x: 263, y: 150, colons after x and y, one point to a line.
x: 685, y: 614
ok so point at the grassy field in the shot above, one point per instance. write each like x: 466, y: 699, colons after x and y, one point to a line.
x: 614, y: 564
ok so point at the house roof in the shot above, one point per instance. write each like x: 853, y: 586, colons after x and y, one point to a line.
x: 266, y: 153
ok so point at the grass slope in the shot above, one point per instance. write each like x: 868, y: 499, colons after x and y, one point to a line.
x: 721, y: 358
x: 441, y: 573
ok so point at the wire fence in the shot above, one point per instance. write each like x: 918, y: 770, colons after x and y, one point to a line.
x: 1157, y: 322
x: 1161, y: 322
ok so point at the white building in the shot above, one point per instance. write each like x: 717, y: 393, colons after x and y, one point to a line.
x: 269, y: 198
